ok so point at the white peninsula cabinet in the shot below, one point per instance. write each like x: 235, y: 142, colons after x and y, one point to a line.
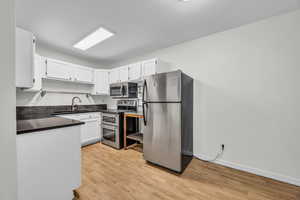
x: 101, y: 81
x: 49, y: 164
x: 25, y: 50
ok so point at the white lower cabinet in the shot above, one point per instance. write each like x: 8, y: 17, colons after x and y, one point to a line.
x: 91, y: 130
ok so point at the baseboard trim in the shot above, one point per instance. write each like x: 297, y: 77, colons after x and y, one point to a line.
x: 275, y: 176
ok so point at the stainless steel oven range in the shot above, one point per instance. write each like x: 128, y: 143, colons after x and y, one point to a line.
x: 112, y: 123
x: 111, y: 129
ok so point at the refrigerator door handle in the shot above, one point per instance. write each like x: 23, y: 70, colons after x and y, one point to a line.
x: 144, y: 91
x: 145, y: 105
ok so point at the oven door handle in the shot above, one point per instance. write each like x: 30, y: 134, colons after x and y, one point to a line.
x: 109, y: 124
x: 109, y: 127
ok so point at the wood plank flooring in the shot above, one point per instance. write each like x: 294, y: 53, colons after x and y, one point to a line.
x: 109, y: 174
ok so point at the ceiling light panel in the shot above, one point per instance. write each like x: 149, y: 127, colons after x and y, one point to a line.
x: 94, y: 38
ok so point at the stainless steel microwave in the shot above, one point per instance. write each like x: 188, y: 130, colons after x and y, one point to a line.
x: 124, y: 90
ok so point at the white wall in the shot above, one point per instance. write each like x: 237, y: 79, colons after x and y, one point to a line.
x: 247, y: 95
x: 8, y: 178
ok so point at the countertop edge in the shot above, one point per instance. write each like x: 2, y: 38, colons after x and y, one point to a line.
x: 49, y: 127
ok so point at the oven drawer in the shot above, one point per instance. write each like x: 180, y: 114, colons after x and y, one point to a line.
x: 111, y: 136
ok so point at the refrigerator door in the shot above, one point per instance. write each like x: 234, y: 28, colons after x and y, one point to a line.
x: 164, y: 87
x: 162, y: 135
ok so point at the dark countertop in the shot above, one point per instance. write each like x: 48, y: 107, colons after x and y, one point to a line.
x: 34, y: 125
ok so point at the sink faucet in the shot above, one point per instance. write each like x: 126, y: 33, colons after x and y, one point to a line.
x: 74, y: 106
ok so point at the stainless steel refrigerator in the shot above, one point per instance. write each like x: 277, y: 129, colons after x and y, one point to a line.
x: 168, y: 120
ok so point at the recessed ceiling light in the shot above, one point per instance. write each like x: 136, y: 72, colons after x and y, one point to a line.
x: 94, y: 38
x: 184, y: 0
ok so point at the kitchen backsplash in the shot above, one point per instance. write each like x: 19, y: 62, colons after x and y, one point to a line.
x: 33, y: 112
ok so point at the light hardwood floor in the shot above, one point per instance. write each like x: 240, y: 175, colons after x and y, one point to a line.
x: 109, y: 174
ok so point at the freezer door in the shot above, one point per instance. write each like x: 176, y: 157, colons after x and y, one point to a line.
x: 164, y: 87
x: 162, y: 135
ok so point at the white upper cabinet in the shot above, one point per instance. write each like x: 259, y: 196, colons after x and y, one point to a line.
x: 149, y: 67
x: 58, y: 70
x: 82, y: 74
x: 154, y: 66
x: 119, y: 74
x: 101, y: 80
x: 25, y: 49
x: 63, y: 71
x: 114, y: 76
x: 123, y: 73
x: 135, y: 72
x: 39, y: 69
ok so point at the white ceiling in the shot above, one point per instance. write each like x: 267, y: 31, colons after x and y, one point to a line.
x: 141, y: 26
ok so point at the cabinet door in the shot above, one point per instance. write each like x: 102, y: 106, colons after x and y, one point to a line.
x: 101, y: 82
x: 114, y: 76
x: 123, y: 71
x: 58, y: 70
x: 24, y: 58
x: 90, y: 132
x: 39, y: 68
x: 149, y: 67
x: 83, y: 74
x: 135, y: 71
